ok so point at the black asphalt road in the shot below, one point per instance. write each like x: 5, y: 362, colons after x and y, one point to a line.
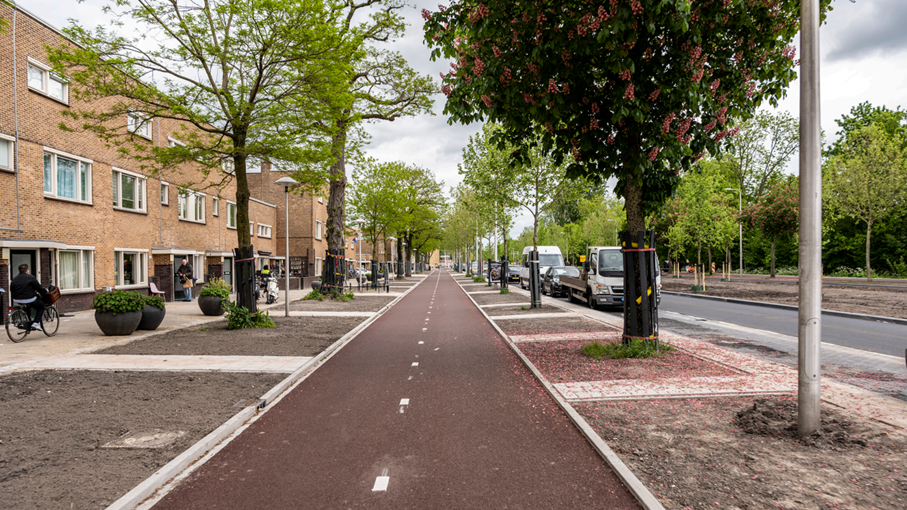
x: 477, y: 430
x: 872, y: 336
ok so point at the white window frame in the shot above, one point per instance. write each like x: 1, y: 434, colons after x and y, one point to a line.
x: 192, y: 199
x: 215, y: 206
x: 320, y: 200
x: 8, y: 165
x: 86, y: 282
x: 53, y: 193
x: 142, y: 255
x: 173, y: 141
x: 231, y: 218
x: 198, y: 261
x: 264, y: 230
x: 139, y: 124
x: 227, y: 165
x: 165, y: 193
x: 140, y: 191
x: 252, y: 229
x: 46, y: 77
x: 319, y: 229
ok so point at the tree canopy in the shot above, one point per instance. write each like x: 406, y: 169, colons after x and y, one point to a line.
x: 636, y: 90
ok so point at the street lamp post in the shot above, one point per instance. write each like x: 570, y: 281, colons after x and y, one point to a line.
x: 567, y: 246
x: 740, y: 222
x: 287, y: 182
x: 359, y: 222
x: 616, y: 243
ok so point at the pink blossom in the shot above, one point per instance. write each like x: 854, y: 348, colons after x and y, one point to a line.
x: 426, y: 14
x: 628, y: 94
x: 486, y: 100
x: 653, y: 153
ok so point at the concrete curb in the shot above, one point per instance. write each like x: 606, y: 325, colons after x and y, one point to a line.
x: 191, y: 458
x: 833, y: 313
x: 633, y: 484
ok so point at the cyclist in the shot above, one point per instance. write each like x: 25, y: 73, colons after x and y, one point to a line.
x: 25, y: 290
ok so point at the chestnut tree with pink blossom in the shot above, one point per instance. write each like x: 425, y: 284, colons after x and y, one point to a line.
x: 634, y: 89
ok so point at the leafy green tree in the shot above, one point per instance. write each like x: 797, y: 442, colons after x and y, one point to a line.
x: 376, y: 199
x: 420, y: 212
x: 703, y: 213
x: 384, y: 88
x: 602, y: 219
x: 867, y: 178
x: 242, y: 79
x: 776, y: 214
x: 892, y: 122
x: 761, y: 150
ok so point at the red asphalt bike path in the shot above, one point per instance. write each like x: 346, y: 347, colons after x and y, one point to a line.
x: 478, y: 430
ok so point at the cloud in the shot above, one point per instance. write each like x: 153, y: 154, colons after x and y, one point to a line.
x: 866, y: 28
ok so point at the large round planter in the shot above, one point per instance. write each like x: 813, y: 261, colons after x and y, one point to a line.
x: 152, y: 317
x: 210, y: 305
x: 118, y: 325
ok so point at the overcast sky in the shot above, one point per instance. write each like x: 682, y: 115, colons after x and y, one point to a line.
x: 864, y: 46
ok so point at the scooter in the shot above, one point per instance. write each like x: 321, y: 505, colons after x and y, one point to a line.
x: 269, y: 287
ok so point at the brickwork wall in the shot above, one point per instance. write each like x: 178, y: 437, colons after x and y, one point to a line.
x: 96, y: 223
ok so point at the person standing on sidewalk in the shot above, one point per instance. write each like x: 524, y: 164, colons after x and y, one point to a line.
x: 185, y: 274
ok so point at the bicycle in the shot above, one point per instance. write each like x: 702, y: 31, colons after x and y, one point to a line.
x: 19, y: 322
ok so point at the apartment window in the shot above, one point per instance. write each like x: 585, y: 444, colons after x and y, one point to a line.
x: 130, y: 266
x: 227, y: 165
x: 76, y: 269
x: 318, y: 227
x: 128, y: 191
x: 138, y: 124
x: 67, y: 177
x: 7, y: 144
x: 165, y: 193
x: 252, y: 228
x: 231, y: 215
x: 198, y: 268
x: 215, y: 206
x: 264, y: 231
x: 40, y: 79
x: 192, y: 206
x: 319, y: 265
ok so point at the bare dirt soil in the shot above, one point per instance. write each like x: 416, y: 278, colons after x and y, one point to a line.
x: 493, y: 299
x: 293, y: 336
x: 546, y: 326
x: 743, y: 453
x: 880, y: 300
x: 363, y: 304
x: 522, y: 310
x: 564, y: 361
x: 55, y: 422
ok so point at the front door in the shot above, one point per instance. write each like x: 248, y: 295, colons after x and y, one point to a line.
x: 228, y: 270
x: 178, y: 293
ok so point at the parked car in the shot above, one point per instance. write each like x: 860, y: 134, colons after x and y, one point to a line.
x: 549, y: 256
x: 551, y: 283
x: 513, y: 275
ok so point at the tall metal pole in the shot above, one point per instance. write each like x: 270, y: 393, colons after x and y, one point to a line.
x: 740, y: 225
x: 810, y: 312
x: 286, y: 253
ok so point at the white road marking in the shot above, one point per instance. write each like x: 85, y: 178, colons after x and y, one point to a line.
x: 381, y: 483
x: 436, y: 348
x: 424, y: 329
x: 416, y: 363
x: 421, y: 342
x: 404, y: 401
x: 410, y: 378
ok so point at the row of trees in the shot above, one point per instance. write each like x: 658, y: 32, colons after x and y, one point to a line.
x: 401, y: 201
x: 289, y: 82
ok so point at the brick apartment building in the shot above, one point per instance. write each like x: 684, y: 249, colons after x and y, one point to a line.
x: 84, y: 218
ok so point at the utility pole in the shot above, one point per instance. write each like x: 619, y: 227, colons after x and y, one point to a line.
x: 810, y: 310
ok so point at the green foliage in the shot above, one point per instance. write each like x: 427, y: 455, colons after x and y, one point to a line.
x: 155, y: 301
x: 782, y: 270
x: 314, y: 295
x: 343, y: 296
x: 893, y: 123
x: 239, y: 317
x: 478, y: 279
x: 757, y: 156
x: 635, y: 349
x: 216, y: 287
x: 702, y: 214
x: 899, y: 268
x: 633, y: 90
x: 118, y: 301
x: 505, y: 291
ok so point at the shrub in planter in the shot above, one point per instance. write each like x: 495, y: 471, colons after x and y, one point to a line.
x: 239, y: 317
x: 118, y: 312
x: 212, y: 296
x: 153, y: 313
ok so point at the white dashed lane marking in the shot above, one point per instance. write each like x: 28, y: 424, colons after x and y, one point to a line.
x: 382, y: 481
x: 416, y: 363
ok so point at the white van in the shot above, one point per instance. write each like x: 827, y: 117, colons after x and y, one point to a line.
x: 548, y: 256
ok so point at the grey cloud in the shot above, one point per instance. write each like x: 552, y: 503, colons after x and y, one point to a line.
x: 866, y: 28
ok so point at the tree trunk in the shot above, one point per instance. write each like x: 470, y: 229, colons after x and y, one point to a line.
x: 243, y: 272
x: 699, y: 255
x: 710, y: 259
x: 868, y: 268
x: 336, y: 231
x: 773, y: 256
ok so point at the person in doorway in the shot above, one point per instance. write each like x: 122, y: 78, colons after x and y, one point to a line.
x: 185, y: 274
x: 26, y: 290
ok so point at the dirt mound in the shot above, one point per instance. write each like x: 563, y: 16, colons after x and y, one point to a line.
x: 774, y: 419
